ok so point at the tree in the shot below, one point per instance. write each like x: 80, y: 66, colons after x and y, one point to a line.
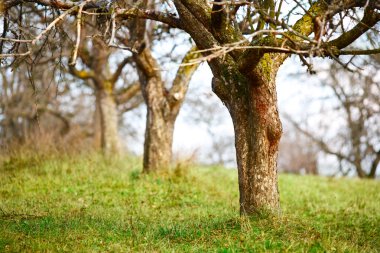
x: 93, y: 68
x: 244, y: 79
x: 27, y: 108
x: 355, y: 98
x: 163, y: 107
x: 99, y: 76
x: 245, y: 44
x: 163, y: 101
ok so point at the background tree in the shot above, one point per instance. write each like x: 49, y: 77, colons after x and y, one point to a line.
x: 163, y: 101
x: 96, y: 57
x: 354, y: 99
x: 27, y: 108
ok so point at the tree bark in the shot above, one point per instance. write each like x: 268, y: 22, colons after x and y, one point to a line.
x: 160, y: 120
x: 252, y: 103
x: 159, y: 127
x: 158, y: 137
x: 162, y: 107
x: 108, y: 122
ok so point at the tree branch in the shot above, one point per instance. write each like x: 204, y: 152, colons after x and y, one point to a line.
x: 319, y: 142
x: 74, y: 56
x: 370, y: 19
x: 359, y: 51
x: 168, y: 19
x: 124, y: 95
x: 119, y: 69
x: 81, y: 74
x: 183, y: 77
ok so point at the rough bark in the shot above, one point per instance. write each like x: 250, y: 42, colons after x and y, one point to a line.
x: 159, y: 130
x: 257, y: 134
x: 252, y: 103
x: 159, y: 121
x: 162, y: 107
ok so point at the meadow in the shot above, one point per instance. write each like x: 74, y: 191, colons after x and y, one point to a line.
x: 88, y: 203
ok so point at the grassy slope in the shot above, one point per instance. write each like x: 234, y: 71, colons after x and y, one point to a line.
x: 88, y: 204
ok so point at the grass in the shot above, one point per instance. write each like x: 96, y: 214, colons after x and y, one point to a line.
x: 89, y: 204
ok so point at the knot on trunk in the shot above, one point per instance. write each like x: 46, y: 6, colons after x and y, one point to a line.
x: 274, y: 133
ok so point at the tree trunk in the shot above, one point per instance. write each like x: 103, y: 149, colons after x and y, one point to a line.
x: 162, y: 109
x: 97, y: 124
x: 108, y: 122
x: 253, y: 108
x: 159, y: 129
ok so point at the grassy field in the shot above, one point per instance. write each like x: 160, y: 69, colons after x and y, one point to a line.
x: 90, y: 204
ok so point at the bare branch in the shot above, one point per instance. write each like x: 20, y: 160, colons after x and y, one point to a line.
x: 15, y: 54
x: 360, y: 51
x: 370, y: 18
x: 124, y: 95
x: 183, y: 76
x: 79, y: 25
x: 169, y: 19
x: 119, y: 69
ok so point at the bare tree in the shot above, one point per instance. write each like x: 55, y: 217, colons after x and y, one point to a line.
x: 96, y: 55
x: 89, y: 61
x: 245, y: 43
x: 163, y: 107
x: 27, y: 107
x: 355, y: 96
x: 163, y: 102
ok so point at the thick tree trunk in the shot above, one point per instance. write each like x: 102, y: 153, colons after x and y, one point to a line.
x: 162, y: 109
x: 158, y: 141
x: 159, y: 129
x: 108, y: 122
x: 258, y: 130
x: 257, y: 135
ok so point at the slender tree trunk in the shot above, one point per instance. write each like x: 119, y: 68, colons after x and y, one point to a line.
x: 258, y: 130
x: 108, y: 122
x: 159, y: 128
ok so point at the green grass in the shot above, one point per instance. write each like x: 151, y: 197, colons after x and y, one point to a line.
x: 89, y: 204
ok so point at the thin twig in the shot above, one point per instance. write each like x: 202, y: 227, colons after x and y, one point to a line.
x: 79, y: 27
x: 14, y: 55
x: 113, y: 28
x: 52, y: 24
x: 16, y: 40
